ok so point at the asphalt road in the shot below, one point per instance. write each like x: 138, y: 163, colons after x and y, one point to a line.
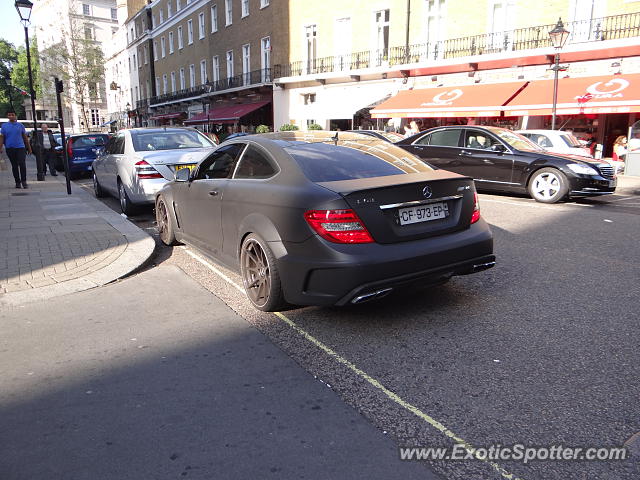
x: 541, y: 350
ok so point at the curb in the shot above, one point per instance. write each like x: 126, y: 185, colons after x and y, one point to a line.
x: 139, y: 249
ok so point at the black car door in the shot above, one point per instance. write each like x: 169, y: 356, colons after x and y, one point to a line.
x: 488, y: 159
x: 440, y: 148
x: 199, y: 201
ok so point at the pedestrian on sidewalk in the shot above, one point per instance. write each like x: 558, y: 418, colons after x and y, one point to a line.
x: 13, y: 136
x: 48, y: 143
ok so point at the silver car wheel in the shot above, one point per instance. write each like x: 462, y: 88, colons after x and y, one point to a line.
x: 548, y: 185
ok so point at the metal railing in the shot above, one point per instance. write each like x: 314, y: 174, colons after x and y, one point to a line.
x: 248, y: 79
x: 594, y: 30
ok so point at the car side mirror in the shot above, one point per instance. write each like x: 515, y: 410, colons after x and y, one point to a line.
x: 100, y: 151
x: 498, y: 147
x: 183, y: 175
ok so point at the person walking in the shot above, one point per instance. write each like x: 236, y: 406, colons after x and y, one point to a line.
x: 48, y: 143
x: 13, y: 137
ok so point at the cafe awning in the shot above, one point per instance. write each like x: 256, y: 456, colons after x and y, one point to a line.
x: 592, y: 95
x: 226, y: 114
x: 168, y: 116
x: 461, y: 101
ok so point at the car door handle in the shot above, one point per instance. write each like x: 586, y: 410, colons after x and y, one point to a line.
x: 466, y: 153
x: 213, y: 193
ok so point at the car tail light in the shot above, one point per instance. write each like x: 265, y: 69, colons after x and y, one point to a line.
x: 338, y: 226
x: 475, y: 216
x: 69, y: 148
x: 144, y: 170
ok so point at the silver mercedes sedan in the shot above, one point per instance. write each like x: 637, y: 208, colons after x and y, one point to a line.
x: 137, y: 162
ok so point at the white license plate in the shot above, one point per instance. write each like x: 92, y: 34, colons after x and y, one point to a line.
x: 423, y: 213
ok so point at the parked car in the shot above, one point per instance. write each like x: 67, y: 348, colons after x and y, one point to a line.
x: 557, y: 141
x: 137, y: 162
x: 501, y: 160
x: 59, y: 157
x: 311, y: 220
x: 392, y: 137
x: 82, y: 150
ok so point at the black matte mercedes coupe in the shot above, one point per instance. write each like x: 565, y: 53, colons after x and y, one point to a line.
x: 319, y: 218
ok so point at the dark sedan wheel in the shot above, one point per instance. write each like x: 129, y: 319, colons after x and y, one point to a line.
x: 164, y: 223
x: 548, y: 185
x: 97, y: 189
x: 125, y: 204
x: 260, y: 275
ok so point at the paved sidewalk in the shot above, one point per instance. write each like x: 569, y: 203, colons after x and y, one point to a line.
x: 53, y: 244
x: 628, y: 185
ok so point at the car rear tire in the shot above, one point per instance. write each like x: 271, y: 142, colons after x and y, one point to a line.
x: 164, y: 222
x: 97, y: 189
x: 548, y: 185
x: 260, y: 275
x: 125, y: 204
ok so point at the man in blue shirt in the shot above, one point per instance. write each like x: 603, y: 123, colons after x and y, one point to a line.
x: 13, y: 136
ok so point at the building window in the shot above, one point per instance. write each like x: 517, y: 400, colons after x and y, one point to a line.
x: 203, y: 72
x: 382, y: 36
x: 264, y: 3
x: 311, y: 47
x: 88, y: 33
x: 95, y: 117
x: 228, y: 12
x: 201, y: 26
x: 132, y: 35
x: 308, y: 98
x: 135, y: 61
x: 157, y: 86
x: 86, y: 9
x: 165, y: 85
x: 114, y: 31
x: 230, y: 64
x: 146, y: 54
x: 246, y: 64
x: 173, y: 82
x: 180, y: 41
x: 214, y: 19
x: 182, y: 81
x: 170, y: 43
x: 310, y: 122
x: 192, y: 75
x: 215, y: 67
x: 114, y: 14
x: 161, y: 16
x: 435, y: 31
x: 265, y: 58
x: 190, y: 32
x: 163, y: 48
x: 137, y: 97
x: 155, y: 51
x: 169, y: 12
x: 178, y: 5
x: 245, y: 8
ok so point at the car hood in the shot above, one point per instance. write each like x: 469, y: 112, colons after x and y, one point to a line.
x: 569, y: 157
x: 172, y: 157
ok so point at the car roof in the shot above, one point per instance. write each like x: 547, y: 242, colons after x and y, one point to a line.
x: 545, y: 132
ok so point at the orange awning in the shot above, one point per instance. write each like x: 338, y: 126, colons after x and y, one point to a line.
x: 462, y: 101
x: 608, y: 94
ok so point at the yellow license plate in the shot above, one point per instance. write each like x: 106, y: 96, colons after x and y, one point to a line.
x: 190, y: 166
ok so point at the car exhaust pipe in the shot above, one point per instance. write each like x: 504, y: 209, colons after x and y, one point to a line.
x: 371, y: 296
x: 483, y: 266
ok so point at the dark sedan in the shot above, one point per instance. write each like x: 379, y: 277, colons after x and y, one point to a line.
x: 502, y: 160
x: 309, y: 219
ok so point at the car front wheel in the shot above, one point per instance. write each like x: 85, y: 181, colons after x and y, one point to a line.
x: 548, y: 185
x: 260, y: 275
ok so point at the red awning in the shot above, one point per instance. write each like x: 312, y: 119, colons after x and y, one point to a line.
x: 609, y: 94
x: 225, y: 114
x: 462, y: 101
x: 167, y: 116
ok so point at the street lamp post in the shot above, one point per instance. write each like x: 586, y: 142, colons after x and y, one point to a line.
x: 24, y: 10
x: 559, y: 36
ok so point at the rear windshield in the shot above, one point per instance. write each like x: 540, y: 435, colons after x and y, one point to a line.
x: 144, y: 141
x: 90, y: 141
x: 322, y: 162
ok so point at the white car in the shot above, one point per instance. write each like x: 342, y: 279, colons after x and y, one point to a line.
x: 556, y: 141
x: 137, y: 162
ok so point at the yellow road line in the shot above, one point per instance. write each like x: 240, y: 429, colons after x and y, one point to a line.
x: 362, y: 374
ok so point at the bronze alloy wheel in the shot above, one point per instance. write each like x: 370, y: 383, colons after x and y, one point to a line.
x: 260, y: 275
x: 164, y: 224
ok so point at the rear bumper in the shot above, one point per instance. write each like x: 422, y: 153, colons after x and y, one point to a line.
x: 317, y: 272
x: 144, y: 191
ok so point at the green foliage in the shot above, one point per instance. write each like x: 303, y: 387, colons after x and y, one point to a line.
x: 10, y: 98
x: 262, y: 129
x: 20, y: 73
x: 314, y: 126
x: 288, y: 127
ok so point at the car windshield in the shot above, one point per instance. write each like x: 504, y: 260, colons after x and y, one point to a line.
x: 515, y: 140
x: 144, y: 141
x: 323, y: 162
x: 392, y: 136
x: 570, y: 140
